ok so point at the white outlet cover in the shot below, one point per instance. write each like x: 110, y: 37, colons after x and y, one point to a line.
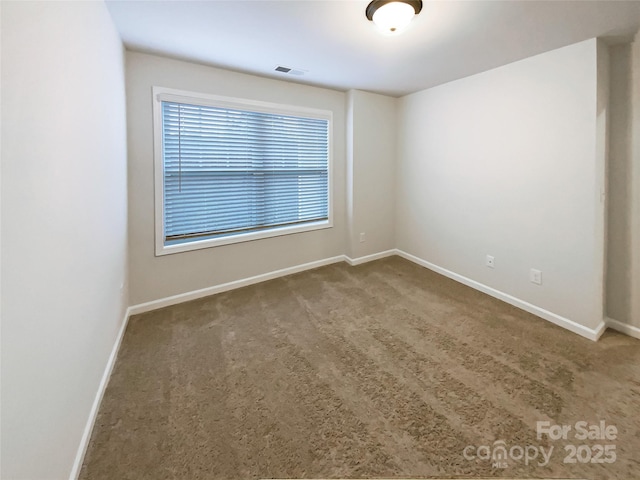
x: 535, y: 276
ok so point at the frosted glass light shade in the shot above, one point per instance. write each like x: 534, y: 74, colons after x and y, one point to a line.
x: 393, y: 17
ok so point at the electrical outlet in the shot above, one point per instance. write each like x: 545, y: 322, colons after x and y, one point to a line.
x: 362, y: 237
x: 490, y: 261
x: 535, y: 276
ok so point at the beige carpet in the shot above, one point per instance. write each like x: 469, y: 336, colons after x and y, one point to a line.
x: 383, y: 370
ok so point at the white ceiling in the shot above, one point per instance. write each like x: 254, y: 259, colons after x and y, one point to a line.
x: 337, y: 47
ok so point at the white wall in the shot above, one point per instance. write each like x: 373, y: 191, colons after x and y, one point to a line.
x: 371, y: 165
x: 506, y: 163
x: 618, y: 298
x: 623, y: 235
x: 152, y: 277
x: 635, y: 172
x: 64, y: 239
x: 601, y: 187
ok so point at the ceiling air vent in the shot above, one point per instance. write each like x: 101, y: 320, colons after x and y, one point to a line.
x: 289, y: 71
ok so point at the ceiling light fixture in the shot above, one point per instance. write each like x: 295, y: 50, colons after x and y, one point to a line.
x: 392, y: 16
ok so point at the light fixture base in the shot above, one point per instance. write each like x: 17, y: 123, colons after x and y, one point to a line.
x: 376, y: 4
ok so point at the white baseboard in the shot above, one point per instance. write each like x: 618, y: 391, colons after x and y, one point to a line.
x: 205, y: 292
x: 625, y: 328
x: 93, y: 414
x: 370, y: 258
x: 591, y: 334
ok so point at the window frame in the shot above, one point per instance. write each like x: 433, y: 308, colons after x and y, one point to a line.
x: 160, y: 94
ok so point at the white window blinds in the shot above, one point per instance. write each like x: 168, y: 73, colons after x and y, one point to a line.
x: 228, y: 171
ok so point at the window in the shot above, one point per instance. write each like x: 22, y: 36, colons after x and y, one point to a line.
x: 230, y: 170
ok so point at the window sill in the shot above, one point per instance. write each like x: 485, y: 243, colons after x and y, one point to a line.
x: 162, y: 249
